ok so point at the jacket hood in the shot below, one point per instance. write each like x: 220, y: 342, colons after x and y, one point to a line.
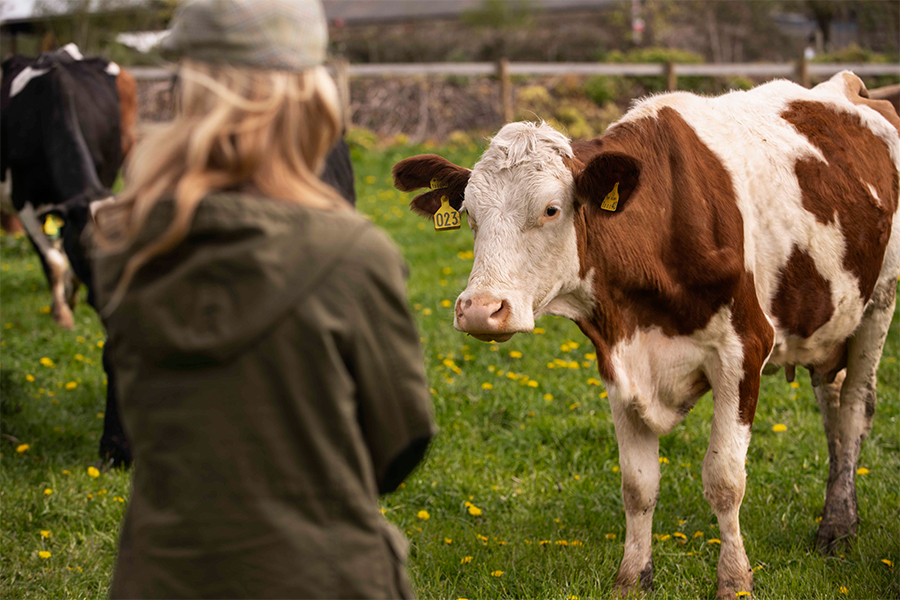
x: 245, y: 262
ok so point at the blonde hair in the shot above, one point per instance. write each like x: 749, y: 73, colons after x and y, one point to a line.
x: 236, y: 127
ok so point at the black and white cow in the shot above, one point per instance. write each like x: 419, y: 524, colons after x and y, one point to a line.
x: 61, y: 143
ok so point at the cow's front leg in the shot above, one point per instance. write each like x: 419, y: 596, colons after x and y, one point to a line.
x: 848, y: 405
x: 724, y: 481
x: 639, y: 463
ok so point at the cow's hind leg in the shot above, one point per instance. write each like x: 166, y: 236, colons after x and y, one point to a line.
x: 848, y: 406
x: 639, y: 463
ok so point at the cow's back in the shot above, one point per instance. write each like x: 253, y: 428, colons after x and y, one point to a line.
x: 815, y: 176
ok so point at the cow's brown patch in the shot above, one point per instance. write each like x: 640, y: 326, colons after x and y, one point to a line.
x: 803, y: 301
x: 757, y: 338
x: 419, y: 172
x: 837, y: 190
x: 127, y: 89
x: 673, y: 255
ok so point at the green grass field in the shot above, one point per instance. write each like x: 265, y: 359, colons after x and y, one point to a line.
x: 519, y: 494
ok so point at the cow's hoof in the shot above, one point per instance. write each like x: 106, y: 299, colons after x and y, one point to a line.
x: 834, y: 535
x: 629, y: 587
x: 115, y: 454
x: 64, y: 317
x: 736, y: 589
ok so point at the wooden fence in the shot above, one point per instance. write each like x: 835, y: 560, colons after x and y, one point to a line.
x: 801, y: 71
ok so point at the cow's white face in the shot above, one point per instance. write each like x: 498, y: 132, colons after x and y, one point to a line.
x: 521, y: 205
x: 520, y: 202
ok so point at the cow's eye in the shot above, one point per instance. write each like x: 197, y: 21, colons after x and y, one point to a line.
x: 551, y: 211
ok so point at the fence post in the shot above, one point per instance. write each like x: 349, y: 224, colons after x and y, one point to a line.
x: 671, y: 77
x: 803, y: 72
x: 506, y: 102
x: 342, y: 80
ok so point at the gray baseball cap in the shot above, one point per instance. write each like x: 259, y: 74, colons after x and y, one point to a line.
x: 289, y: 35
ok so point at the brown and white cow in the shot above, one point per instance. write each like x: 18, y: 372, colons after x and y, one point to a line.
x: 750, y: 228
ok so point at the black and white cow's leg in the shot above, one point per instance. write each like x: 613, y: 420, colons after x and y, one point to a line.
x: 54, y: 262
x: 848, y: 406
x: 639, y: 463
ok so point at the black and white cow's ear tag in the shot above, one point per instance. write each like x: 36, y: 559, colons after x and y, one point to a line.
x: 612, y: 199
x: 446, y: 217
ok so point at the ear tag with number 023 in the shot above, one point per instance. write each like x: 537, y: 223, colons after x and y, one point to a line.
x: 446, y: 216
x: 52, y: 225
x: 612, y: 199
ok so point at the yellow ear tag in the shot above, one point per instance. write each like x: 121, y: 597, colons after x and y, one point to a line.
x: 612, y: 199
x: 446, y: 216
x: 52, y: 225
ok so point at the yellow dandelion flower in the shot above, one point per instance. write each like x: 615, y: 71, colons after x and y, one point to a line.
x: 574, y: 406
x: 465, y: 560
x: 681, y: 521
x: 93, y: 472
x: 515, y: 354
x: 615, y: 469
x: 492, y: 368
x: 714, y: 541
x: 603, y: 394
x: 483, y: 538
x: 426, y: 311
x: 446, y: 303
x: 423, y: 514
x: 80, y: 339
x: 45, y: 310
x: 571, y: 597
x: 446, y: 270
x: 844, y: 590
x: 487, y: 386
x: 383, y: 510
x: 47, y: 491
x: 79, y: 357
x: 100, y: 344
x: 576, y: 543
x: 548, y: 397
x: 862, y: 471
x: 47, y: 362
x: 610, y: 536
x: 45, y: 533
x: 778, y: 428
x: 742, y: 593
x: 119, y: 499
x: 679, y: 535
x: 44, y: 554
x: 22, y: 448
x: 663, y: 460
x: 513, y: 376
x: 29, y: 378
x: 590, y: 356
x: 887, y: 562
x: 795, y: 384
x: 496, y: 573
x: 449, y: 362
x: 448, y: 541
x: 474, y: 511
x: 71, y: 385
x: 562, y: 543
x: 757, y: 567
x: 573, y: 365
x: 698, y: 534
x: 662, y: 537
x: 532, y: 383
x: 593, y: 381
x: 539, y: 330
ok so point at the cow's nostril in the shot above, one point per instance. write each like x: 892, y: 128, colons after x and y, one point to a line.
x: 501, y: 313
x: 468, y: 303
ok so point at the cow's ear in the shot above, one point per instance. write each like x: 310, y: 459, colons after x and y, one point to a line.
x: 441, y: 176
x: 608, y: 180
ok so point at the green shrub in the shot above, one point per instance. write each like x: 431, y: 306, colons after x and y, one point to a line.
x: 360, y: 138
x: 602, y: 89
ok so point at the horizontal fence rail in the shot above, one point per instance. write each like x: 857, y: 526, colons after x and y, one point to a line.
x: 475, y: 69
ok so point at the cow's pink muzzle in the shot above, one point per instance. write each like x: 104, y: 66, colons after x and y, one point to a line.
x: 485, y: 318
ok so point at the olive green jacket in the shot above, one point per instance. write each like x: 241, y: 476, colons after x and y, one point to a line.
x: 272, y: 385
